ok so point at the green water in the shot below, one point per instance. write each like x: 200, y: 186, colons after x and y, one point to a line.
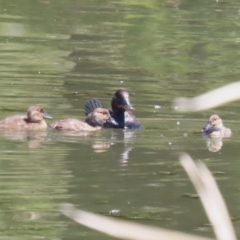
x: 59, y: 54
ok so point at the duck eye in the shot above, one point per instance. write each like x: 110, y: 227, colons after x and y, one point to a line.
x: 41, y: 110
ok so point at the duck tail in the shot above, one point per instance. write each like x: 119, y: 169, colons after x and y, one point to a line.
x: 91, y: 105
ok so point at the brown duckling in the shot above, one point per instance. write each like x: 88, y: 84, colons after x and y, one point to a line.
x: 94, y: 121
x: 33, y: 120
x: 215, y: 128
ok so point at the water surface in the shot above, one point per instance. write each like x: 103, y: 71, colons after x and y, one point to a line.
x: 59, y: 54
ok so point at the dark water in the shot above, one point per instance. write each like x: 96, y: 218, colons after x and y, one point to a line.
x: 59, y: 54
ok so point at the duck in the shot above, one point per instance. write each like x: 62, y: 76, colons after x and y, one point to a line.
x: 121, y: 111
x: 94, y: 121
x: 33, y: 120
x: 215, y: 128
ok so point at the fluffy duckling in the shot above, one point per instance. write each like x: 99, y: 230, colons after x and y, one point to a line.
x: 94, y: 120
x: 215, y: 128
x: 33, y: 120
x: 71, y: 124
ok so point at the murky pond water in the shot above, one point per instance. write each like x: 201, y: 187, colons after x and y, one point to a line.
x: 59, y: 54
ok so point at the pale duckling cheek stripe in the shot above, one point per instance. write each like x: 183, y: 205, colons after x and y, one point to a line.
x: 219, y: 96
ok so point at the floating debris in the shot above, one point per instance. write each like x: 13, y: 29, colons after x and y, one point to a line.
x: 190, y: 195
x: 167, y: 173
x: 234, y: 219
x: 218, y: 173
x: 114, y: 211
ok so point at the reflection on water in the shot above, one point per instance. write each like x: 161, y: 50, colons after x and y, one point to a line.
x: 33, y: 138
x: 214, y: 144
x: 100, y: 141
x: 124, y: 156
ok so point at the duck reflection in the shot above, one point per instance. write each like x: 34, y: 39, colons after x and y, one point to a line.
x: 125, y: 137
x: 125, y: 156
x: 103, y: 146
x: 117, y: 141
x: 35, y: 139
x: 214, y: 144
x: 124, y: 142
x: 100, y: 146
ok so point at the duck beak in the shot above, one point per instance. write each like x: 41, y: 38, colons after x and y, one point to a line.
x: 112, y: 121
x: 127, y: 105
x: 207, y: 127
x: 47, y: 116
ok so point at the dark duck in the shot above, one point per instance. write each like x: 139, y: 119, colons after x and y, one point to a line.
x: 121, y: 111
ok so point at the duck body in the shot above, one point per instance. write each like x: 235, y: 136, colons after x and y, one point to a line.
x: 122, y: 110
x: 95, y: 120
x: 71, y: 124
x: 215, y: 128
x: 33, y: 120
x: 131, y: 122
x: 125, y: 119
x: 119, y: 117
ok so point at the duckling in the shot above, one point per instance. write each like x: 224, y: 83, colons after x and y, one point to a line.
x: 94, y: 120
x: 121, y: 111
x: 215, y: 128
x: 33, y: 120
x: 71, y: 124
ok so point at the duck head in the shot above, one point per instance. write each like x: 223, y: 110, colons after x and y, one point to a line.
x: 214, y: 123
x: 121, y: 101
x: 99, y: 117
x: 37, y: 114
